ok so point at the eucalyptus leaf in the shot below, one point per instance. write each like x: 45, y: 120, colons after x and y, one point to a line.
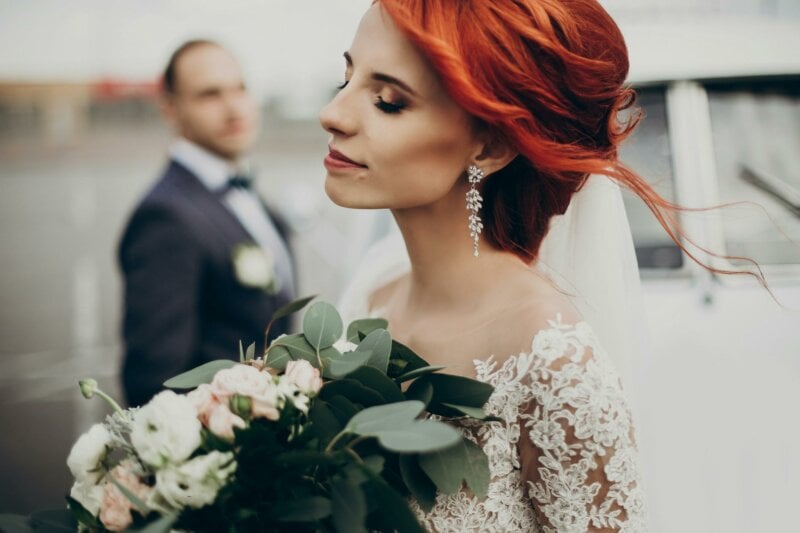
x: 53, y: 520
x: 379, y: 382
x: 278, y: 357
x: 343, y: 408
x: 379, y: 342
x: 420, y: 390
x: 292, y: 307
x: 418, y: 372
x: 420, y: 485
x: 345, y: 364
x: 374, y: 420
x: 15, y: 523
x: 463, y: 462
x: 392, y: 511
x: 80, y: 512
x: 413, y: 361
x: 299, y: 348
x: 364, y: 326
x: 349, y: 506
x: 351, y: 389
x: 421, y: 436
x: 322, y: 325
x: 323, y: 421
x: 199, y: 375
x: 474, y: 412
x: 308, y: 509
x: 251, y: 352
x: 456, y: 390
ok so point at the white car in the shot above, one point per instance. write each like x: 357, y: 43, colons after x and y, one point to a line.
x: 716, y: 397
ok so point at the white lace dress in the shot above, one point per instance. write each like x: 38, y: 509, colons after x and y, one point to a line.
x: 565, y: 458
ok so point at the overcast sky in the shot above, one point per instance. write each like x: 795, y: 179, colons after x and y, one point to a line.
x: 290, y: 48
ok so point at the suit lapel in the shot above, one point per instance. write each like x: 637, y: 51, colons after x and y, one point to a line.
x: 208, y: 206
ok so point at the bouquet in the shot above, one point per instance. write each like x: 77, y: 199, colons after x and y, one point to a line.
x: 328, y: 430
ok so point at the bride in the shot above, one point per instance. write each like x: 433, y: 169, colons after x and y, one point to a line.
x: 512, y: 107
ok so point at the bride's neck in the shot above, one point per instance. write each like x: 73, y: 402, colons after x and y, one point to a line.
x: 444, y: 271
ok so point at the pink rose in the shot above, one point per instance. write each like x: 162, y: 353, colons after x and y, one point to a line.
x: 304, y: 375
x: 204, y: 401
x: 243, y: 380
x: 115, y: 507
x: 221, y: 421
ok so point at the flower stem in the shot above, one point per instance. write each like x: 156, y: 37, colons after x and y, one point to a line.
x: 336, y: 439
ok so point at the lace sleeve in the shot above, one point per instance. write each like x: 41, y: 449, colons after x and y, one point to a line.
x: 577, y: 450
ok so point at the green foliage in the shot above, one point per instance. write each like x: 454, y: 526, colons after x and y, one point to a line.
x: 420, y: 485
x: 197, y: 376
x: 379, y: 344
x: 292, y: 307
x: 322, y: 325
x: 15, y: 523
x: 447, y: 468
x: 364, y: 326
x: 349, y: 505
x: 453, y: 390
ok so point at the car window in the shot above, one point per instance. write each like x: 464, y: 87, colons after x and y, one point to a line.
x: 756, y: 131
x: 648, y: 152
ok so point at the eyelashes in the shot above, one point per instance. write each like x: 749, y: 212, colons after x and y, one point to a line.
x: 389, y: 107
x: 383, y: 105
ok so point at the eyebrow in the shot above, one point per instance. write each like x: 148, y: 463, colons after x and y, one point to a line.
x: 385, y: 78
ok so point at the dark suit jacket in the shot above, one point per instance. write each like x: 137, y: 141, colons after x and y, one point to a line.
x: 183, y: 304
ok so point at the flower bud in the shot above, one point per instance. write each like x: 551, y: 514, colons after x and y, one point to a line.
x: 88, y: 387
x: 241, y: 406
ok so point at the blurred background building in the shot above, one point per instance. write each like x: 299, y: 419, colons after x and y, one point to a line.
x: 81, y: 139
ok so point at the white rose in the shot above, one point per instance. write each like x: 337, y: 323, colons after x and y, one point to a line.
x: 344, y: 346
x: 267, y: 404
x: 254, y: 267
x: 289, y: 391
x: 88, y: 494
x: 304, y: 375
x: 166, y: 429
x: 87, y: 453
x: 196, y: 482
x: 243, y: 380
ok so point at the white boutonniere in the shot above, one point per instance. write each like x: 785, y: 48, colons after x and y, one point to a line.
x: 254, y: 267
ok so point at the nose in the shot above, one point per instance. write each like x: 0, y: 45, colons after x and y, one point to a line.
x: 335, y: 118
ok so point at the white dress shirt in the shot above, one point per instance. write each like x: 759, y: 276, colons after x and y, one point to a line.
x: 214, y: 172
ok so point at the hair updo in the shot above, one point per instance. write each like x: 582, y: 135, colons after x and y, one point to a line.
x: 547, y: 77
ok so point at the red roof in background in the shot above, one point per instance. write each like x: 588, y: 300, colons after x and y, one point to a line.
x: 111, y: 89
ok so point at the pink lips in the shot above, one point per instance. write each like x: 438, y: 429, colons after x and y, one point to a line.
x: 337, y: 160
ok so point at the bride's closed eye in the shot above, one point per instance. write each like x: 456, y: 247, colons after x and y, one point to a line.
x: 389, y: 107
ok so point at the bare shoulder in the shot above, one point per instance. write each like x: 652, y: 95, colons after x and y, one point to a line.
x: 531, y: 305
x: 381, y: 297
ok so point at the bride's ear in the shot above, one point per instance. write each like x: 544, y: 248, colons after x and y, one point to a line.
x: 493, y: 155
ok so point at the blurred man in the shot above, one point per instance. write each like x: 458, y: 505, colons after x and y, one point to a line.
x: 205, y: 263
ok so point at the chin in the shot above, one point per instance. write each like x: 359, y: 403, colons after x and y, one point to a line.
x: 345, y: 195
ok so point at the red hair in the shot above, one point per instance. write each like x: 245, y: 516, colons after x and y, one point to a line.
x: 547, y: 77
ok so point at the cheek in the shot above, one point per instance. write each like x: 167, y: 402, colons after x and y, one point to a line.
x: 424, y: 162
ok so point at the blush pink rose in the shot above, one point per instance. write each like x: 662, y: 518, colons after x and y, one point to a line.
x: 222, y: 420
x: 204, y: 401
x: 243, y: 380
x: 115, y: 507
x: 304, y: 375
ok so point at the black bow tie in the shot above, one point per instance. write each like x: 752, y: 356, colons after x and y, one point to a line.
x: 239, y: 182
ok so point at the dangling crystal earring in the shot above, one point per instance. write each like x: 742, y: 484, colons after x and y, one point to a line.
x: 474, y: 204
